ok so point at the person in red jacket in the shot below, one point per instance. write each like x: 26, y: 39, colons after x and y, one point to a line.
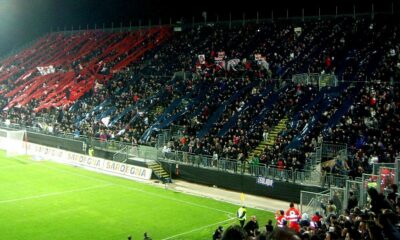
x: 292, y: 216
x: 281, y: 167
x: 316, y: 220
x: 280, y: 218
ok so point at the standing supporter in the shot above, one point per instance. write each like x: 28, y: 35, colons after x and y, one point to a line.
x: 316, y: 220
x: 218, y: 233
x: 234, y: 232
x: 251, y: 226
x: 330, y: 209
x: 269, y: 227
x: 352, y: 202
x: 392, y: 196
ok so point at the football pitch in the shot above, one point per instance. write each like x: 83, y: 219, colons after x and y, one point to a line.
x: 46, y: 200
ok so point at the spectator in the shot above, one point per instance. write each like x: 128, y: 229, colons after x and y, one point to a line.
x: 352, y: 202
x: 378, y: 201
x: 305, y: 220
x: 146, y: 237
x: 252, y: 227
x: 330, y: 208
x: 392, y: 196
x: 316, y: 220
x: 234, y: 232
x: 218, y: 233
x: 269, y: 228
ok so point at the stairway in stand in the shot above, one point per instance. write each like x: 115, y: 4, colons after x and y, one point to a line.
x: 273, y: 135
x: 159, y: 171
x: 270, y: 142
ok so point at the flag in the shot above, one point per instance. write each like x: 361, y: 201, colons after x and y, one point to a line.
x: 122, y: 131
x: 202, y: 58
x: 26, y: 75
x: 105, y: 120
x: 242, y: 198
x: 46, y: 70
x: 220, y: 60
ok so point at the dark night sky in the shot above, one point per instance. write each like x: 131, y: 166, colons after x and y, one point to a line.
x: 24, y: 20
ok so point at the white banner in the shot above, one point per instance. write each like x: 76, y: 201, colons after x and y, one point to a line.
x: 46, y: 70
x: 220, y: 56
x: 220, y: 60
x: 202, y: 58
x: 106, y: 121
x: 121, y: 169
x: 85, y: 161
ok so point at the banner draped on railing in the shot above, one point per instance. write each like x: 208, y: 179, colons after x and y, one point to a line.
x: 316, y: 79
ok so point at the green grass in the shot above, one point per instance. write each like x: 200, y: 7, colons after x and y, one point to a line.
x: 46, y: 200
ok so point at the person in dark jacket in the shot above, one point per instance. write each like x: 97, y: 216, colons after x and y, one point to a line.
x: 234, y: 232
x: 392, y: 196
x: 218, y: 233
x: 251, y: 226
x: 352, y: 202
x: 378, y: 201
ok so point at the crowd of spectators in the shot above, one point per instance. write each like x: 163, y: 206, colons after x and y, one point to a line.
x: 370, y: 128
x: 380, y: 219
x: 235, y: 93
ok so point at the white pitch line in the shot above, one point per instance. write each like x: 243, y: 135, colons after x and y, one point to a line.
x: 197, y: 229
x: 12, y: 166
x: 54, y: 193
x: 174, y: 199
x: 76, y: 174
x: 141, y: 191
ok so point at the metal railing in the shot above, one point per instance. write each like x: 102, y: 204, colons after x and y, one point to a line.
x: 330, y: 150
x: 376, y: 167
x: 108, y: 145
x: 121, y: 155
x: 339, y: 198
x: 309, y: 177
x: 316, y: 79
x: 333, y: 180
x: 311, y: 202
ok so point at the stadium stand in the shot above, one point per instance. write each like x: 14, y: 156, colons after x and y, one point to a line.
x: 92, y: 84
x: 267, y: 94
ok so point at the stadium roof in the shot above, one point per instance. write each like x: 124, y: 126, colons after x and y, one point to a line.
x: 21, y: 20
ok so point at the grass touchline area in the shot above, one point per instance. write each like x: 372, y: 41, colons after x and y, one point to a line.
x: 142, y: 191
x: 47, y: 200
